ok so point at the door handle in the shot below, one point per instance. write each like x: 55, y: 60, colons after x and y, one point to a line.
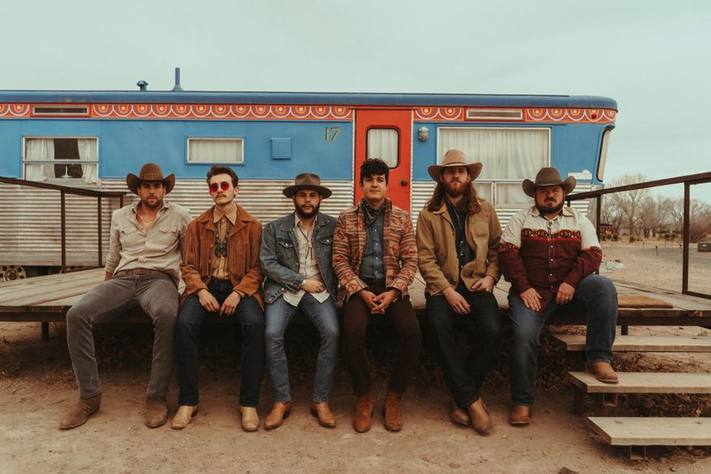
x: 403, y: 182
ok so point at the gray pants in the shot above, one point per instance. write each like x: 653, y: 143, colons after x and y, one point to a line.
x: 157, y: 295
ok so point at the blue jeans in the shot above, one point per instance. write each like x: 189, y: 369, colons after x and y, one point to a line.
x: 187, y: 342
x: 325, y: 318
x: 597, y: 296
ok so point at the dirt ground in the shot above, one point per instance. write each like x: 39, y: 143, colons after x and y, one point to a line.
x: 37, y: 384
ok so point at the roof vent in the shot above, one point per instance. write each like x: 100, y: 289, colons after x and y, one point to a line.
x: 142, y: 85
x: 176, y: 87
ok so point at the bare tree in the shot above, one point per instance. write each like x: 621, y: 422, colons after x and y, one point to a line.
x: 630, y: 202
x: 654, y: 213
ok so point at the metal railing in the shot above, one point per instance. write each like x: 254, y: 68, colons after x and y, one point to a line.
x: 63, y: 191
x: 687, y: 181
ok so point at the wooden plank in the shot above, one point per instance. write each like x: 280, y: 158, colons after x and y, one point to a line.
x: 576, y: 343
x: 40, y: 280
x: 643, y: 431
x: 29, y: 293
x: 33, y: 297
x: 644, y: 382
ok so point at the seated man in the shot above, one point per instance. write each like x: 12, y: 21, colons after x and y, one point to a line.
x: 142, y: 270
x: 375, y: 258
x: 222, y: 278
x: 296, y: 259
x: 457, y: 241
x: 549, y: 252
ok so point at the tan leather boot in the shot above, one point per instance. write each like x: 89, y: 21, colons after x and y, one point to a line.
x: 479, y: 415
x: 275, y: 418
x: 250, y: 418
x: 520, y: 415
x: 155, y: 413
x: 323, y: 413
x: 183, y: 416
x: 391, y: 412
x: 602, y: 371
x: 77, y: 414
x: 459, y: 416
x: 363, y: 417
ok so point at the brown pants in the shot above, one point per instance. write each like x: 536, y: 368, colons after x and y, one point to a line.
x: 356, y: 317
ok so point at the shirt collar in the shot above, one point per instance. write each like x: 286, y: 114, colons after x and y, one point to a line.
x: 217, y: 214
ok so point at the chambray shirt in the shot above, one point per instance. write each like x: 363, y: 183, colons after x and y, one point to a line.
x: 308, y: 265
x: 157, y: 247
x: 372, y: 267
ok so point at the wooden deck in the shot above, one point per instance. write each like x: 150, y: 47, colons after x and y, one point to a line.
x: 47, y: 299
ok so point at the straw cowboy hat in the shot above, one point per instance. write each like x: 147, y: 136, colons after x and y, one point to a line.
x: 451, y: 159
x: 548, y: 177
x: 150, y: 172
x: 307, y: 181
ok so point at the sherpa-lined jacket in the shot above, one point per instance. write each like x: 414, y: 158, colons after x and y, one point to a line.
x: 539, y: 253
x: 242, y: 254
x: 399, y: 249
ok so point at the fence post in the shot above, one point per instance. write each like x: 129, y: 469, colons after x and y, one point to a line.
x: 685, y: 249
x: 99, y: 219
x: 63, y: 230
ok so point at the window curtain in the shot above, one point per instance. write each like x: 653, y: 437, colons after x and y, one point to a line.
x: 506, y: 153
x: 382, y: 143
x: 88, y: 152
x: 215, y: 151
x: 39, y: 149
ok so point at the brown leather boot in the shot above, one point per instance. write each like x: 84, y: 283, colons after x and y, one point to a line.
x: 391, y: 412
x: 363, y: 417
x: 323, y: 413
x: 602, y: 371
x: 77, y: 414
x: 479, y: 415
x: 155, y: 413
x: 275, y: 418
x: 459, y: 416
x: 520, y: 415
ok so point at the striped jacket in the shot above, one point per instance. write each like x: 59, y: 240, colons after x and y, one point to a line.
x: 399, y: 249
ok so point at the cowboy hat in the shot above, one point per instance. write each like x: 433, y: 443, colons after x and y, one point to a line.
x: 451, y: 159
x: 307, y: 181
x: 548, y: 177
x: 150, y: 172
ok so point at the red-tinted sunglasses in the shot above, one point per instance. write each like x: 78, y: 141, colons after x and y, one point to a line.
x: 224, y: 185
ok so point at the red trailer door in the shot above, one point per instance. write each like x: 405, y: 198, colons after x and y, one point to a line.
x: 386, y: 134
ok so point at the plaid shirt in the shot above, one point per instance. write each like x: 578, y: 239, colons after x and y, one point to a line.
x: 399, y: 249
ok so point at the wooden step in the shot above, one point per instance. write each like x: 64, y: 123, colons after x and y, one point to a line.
x: 644, y: 382
x: 576, y: 343
x: 643, y: 431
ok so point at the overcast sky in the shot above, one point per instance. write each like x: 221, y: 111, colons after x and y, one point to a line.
x: 653, y: 57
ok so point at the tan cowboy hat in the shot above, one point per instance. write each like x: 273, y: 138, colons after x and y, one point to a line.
x: 548, y: 177
x: 454, y: 158
x: 307, y: 181
x: 150, y: 172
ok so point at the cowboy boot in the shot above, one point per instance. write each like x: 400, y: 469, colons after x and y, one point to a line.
x: 250, y: 418
x: 391, y: 412
x: 459, y: 416
x: 77, y: 414
x: 603, y: 371
x: 323, y: 413
x: 275, y: 418
x: 363, y: 417
x: 479, y: 415
x: 520, y: 415
x: 155, y: 413
x: 183, y: 416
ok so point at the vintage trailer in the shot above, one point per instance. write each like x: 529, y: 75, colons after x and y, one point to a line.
x: 92, y: 139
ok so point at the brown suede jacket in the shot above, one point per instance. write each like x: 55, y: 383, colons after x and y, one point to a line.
x: 242, y: 254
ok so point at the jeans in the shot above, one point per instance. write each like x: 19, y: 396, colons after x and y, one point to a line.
x: 356, y: 316
x: 325, y: 318
x: 597, y: 296
x: 464, y: 377
x: 156, y: 294
x: 187, y: 343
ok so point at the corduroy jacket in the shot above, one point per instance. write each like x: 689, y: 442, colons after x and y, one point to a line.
x: 437, y: 250
x: 399, y: 249
x: 242, y: 254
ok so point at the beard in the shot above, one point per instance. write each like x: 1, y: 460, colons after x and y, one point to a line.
x: 455, y: 192
x: 548, y: 208
x: 307, y: 214
x: 157, y: 204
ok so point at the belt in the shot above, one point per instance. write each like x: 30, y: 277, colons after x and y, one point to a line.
x: 141, y: 272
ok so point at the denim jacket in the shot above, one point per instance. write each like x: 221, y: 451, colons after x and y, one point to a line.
x: 279, y: 255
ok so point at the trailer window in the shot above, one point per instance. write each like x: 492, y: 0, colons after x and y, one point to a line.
x: 509, y: 155
x: 216, y: 150
x: 61, y: 159
x: 603, y: 154
x: 383, y: 143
